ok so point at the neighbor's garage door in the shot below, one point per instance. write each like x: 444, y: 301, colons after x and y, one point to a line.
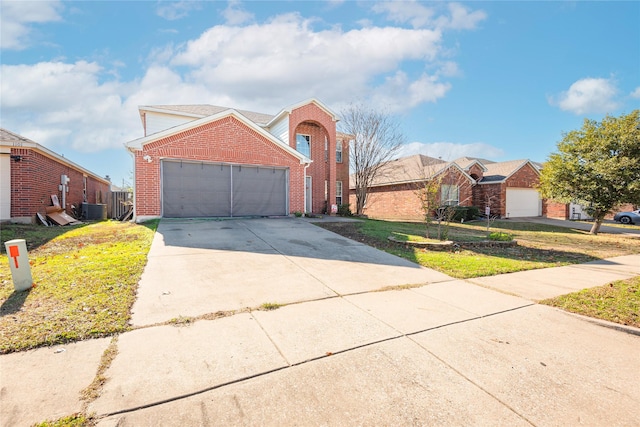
x: 523, y: 202
x: 221, y: 190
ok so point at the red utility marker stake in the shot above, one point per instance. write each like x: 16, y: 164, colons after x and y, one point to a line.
x: 14, y: 253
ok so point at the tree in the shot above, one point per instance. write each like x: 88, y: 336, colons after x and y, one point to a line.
x: 376, y: 140
x: 597, y: 166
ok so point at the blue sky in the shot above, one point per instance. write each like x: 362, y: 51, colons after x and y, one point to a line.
x: 501, y: 80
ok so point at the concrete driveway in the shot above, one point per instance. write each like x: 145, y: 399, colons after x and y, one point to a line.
x: 347, y: 350
x: 205, y: 266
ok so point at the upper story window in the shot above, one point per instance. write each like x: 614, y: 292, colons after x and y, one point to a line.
x: 303, y: 144
x: 339, y: 151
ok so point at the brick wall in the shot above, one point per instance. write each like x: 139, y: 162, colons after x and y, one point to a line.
x: 400, y: 202
x: 36, y: 177
x: 226, y: 140
x: 312, y: 120
x: 526, y: 177
x: 551, y: 209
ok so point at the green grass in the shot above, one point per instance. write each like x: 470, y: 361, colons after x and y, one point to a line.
x: 617, y: 302
x: 269, y: 306
x: 539, y: 245
x: 86, y: 279
x: 77, y: 420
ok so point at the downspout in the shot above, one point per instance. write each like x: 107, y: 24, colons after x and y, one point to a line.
x: 133, y: 157
x: 304, y: 186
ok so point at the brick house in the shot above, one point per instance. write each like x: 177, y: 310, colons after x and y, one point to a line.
x: 211, y: 161
x: 507, y: 187
x: 30, y: 174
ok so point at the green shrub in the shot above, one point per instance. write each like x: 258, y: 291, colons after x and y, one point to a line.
x: 500, y: 236
x: 298, y: 214
x: 463, y: 213
x: 344, y: 210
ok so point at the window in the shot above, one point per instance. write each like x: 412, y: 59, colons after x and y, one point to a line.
x: 338, y: 193
x: 303, y: 144
x: 339, y: 151
x: 449, y: 195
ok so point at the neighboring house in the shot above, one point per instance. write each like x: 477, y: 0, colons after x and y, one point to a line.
x: 210, y: 161
x: 508, y: 188
x: 30, y: 174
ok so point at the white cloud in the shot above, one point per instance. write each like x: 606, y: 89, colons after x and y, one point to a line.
x: 64, y: 105
x: 636, y: 93
x: 261, y: 67
x: 402, y: 12
x: 450, y: 151
x: 461, y: 18
x: 172, y: 11
x: 419, y: 16
x: 17, y: 19
x: 235, y: 15
x: 399, y: 94
x: 588, y: 95
x: 285, y: 60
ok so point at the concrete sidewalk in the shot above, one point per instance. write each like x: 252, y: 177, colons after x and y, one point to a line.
x: 450, y: 352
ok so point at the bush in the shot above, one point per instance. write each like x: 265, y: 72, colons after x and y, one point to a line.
x: 463, y: 213
x: 500, y: 236
x: 298, y: 214
x: 344, y: 210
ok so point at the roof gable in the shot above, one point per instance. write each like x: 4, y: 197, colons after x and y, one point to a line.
x: 290, y: 108
x: 138, y: 144
x: 502, y: 171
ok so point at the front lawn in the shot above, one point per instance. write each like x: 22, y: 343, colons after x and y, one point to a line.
x: 617, y: 302
x: 539, y: 245
x: 85, y: 279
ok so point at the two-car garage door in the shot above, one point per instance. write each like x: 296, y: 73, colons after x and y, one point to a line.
x: 197, y: 189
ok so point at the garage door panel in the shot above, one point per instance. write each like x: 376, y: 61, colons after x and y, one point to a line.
x: 259, y: 191
x: 191, y: 189
x: 523, y: 202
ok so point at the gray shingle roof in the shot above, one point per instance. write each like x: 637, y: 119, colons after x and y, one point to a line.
x: 204, y: 110
x: 497, y: 172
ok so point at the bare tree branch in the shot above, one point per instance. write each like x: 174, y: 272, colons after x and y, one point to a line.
x: 377, y: 139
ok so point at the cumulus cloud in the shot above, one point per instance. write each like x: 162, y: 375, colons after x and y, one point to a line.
x: 47, y: 110
x: 18, y: 18
x: 420, y: 16
x: 248, y: 65
x: 285, y: 60
x: 450, y: 151
x: 588, y: 95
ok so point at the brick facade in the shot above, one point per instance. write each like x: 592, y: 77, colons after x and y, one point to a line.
x: 232, y: 140
x: 36, y: 177
x: 312, y: 120
x: 401, y: 201
x: 226, y: 140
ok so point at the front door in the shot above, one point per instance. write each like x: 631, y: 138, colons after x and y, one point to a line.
x: 307, y: 195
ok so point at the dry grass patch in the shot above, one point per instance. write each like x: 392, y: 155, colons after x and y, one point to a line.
x: 86, y: 279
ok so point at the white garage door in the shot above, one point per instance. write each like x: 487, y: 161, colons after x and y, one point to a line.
x: 191, y: 189
x: 523, y: 202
